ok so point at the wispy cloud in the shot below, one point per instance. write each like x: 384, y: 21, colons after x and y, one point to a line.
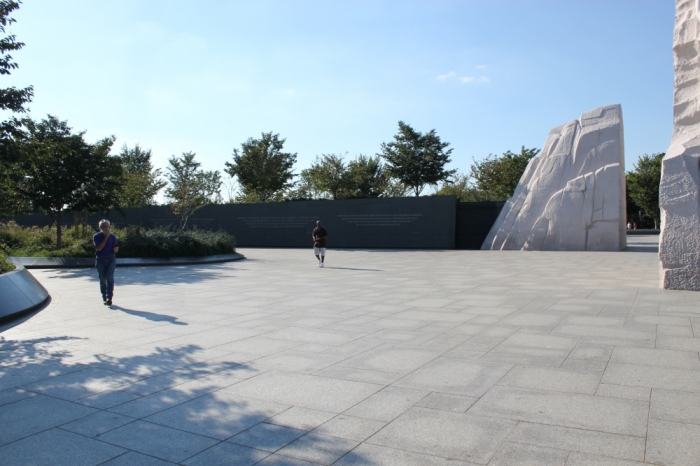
x: 474, y: 79
x: 463, y: 79
x: 480, y: 67
x: 446, y: 76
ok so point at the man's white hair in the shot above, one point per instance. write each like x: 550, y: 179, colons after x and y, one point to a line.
x: 102, y: 222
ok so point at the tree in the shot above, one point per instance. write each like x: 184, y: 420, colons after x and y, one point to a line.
x: 141, y: 182
x: 190, y: 188
x: 262, y: 169
x: 497, y: 176
x: 366, y: 177
x: 327, y: 176
x: 643, y: 185
x: 13, y: 100
x: 58, y: 171
x: 461, y: 187
x: 417, y: 159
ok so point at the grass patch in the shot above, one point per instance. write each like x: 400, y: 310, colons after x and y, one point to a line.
x: 160, y: 242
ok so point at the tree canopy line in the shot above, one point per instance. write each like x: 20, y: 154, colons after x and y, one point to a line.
x: 45, y: 165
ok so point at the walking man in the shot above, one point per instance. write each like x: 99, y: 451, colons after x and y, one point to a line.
x: 319, y: 236
x: 105, y: 261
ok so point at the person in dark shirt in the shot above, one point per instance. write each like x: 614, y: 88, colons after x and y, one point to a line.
x: 105, y: 261
x: 319, y: 236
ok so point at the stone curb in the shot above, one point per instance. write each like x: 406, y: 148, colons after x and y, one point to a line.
x: 20, y: 294
x: 80, y: 262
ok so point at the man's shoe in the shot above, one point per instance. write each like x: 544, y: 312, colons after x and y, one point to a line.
x: 108, y: 302
x: 104, y: 301
x: 321, y: 265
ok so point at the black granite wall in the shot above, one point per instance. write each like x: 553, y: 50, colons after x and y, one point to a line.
x: 474, y: 221
x: 410, y: 222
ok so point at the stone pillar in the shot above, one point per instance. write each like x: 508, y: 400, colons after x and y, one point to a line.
x: 572, y: 196
x: 679, y: 246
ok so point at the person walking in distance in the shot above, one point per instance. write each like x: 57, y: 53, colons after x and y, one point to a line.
x: 105, y: 262
x: 319, y: 236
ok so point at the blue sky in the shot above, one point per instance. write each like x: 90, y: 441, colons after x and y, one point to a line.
x: 336, y: 76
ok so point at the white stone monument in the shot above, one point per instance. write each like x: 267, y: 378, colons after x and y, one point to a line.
x: 679, y: 246
x: 572, y: 196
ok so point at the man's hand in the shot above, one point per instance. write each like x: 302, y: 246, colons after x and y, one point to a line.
x: 115, y: 249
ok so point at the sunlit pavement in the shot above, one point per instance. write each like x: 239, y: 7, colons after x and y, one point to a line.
x: 382, y: 357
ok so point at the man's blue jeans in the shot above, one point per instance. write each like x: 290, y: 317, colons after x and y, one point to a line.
x: 105, y: 268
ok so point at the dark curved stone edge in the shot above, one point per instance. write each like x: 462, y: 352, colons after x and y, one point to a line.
x: 20, y: 293
x: 81, y: 262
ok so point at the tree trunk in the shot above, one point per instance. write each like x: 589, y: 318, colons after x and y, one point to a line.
x: 58, y: 230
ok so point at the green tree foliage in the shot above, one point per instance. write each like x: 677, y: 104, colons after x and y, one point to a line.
x: 327, y: 176
x: 12, y: 100
x: 58, y: 171
x: 643, y: 185
x: 497, y: 177
x: 141, y: 182
x: 366, y: 177
x: 461, y: 187
x: 417, y: 159
x: 331, y: 177
x: 190, y: 187
x: 262, y: 169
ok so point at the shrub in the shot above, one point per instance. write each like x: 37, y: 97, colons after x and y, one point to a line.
x: 160, y: 242
x: 165, y: 243
x: 5, y: 265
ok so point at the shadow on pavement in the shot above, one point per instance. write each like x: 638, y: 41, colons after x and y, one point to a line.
x: 350, y: 268
x: 153, y: 316
x: 61, y: 402
x: 167, y: 275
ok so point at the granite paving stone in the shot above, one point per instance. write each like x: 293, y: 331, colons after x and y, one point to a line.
x: 349, y: 427
x: 670, y: 378
x: 392, y: 358
x: 33, y: 415
x: 96, y: 424
x: 303, y: 390
x: 456, y: 376
x: 318, y: 448
x: 82, y: 383
x: 599, y: 413
x: 449, y: 435
x: 583, y: 459
x: 656, y: 357
x: 268, y: 437
x: 528, y: 455
x: 301, y: 418
x: 673, y: 443
x: 447, y: 402
x: 132, y: 458
x: 158, y: 441
x: 227, y: 454
x: 579, y: 440
x: 366, y: 453
x: 58, y: 448
x: 218, y: 415
x: 675, y: 406
x: 549, y: 378
x: 387, y: 404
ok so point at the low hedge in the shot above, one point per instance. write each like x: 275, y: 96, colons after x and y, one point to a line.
x: 159, y: 242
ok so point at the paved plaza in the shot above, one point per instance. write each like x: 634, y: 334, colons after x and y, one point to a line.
x: 382, y: 358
